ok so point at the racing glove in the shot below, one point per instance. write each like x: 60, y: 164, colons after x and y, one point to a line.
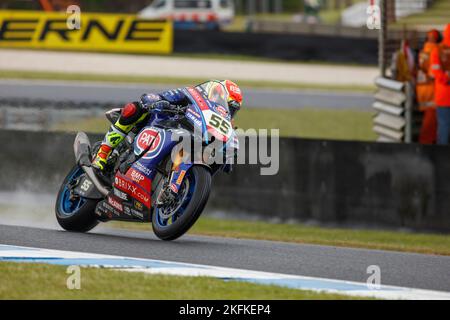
x: 161, y: 106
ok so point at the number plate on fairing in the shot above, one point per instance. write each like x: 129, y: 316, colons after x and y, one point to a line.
x: 219, y: 126
x: 86, y: 189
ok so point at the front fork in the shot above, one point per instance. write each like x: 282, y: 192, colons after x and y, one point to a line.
x: 173, y: 183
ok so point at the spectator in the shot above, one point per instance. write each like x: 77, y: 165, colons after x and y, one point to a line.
x: 440, y: 66
x: 403, y: 66
x: 312, y: 9
x: 425, y: 89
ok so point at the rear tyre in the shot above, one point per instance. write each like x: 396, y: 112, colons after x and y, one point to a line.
x: 194, y: 196
x: 76, y: 214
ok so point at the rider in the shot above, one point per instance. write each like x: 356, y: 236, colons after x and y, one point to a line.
x: 135, y: 112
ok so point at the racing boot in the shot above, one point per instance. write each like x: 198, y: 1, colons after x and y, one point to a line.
x: 112, y: 139
x: 131, y: 115
x: 101, y: 159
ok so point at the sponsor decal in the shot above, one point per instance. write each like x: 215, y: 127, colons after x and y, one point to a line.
x: 222, y: 111
x: 139, y: 178
x: 198, y: 98
x: 194, y: 119
x: 234, y: 89
x: 127, y: 210
x: 120, y: 194
x: 100, y: 210
x: 139, y: 166
x: 174, y: 187
x: 191, y: 111
x: 132, y: 190
x: 152, y: 140
x: 115, y: 204
x: 109, y: 210
x: 138, y: 214
x: 146, y: 138
x: 139, y: 206
x: 97, y: 32
x: 180, y: 177
x: 136, y: 176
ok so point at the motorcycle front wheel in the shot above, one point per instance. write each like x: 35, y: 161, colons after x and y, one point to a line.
x: 174, y: 219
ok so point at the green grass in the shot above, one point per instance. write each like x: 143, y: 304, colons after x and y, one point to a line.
x: 41, y: 75
x: 300, y: 233
x: 267, y: 60
x: 38, y: 281
x: 306, y: 123
x: 328, y: 15
x: 311, y: 123
x: 239, y: 24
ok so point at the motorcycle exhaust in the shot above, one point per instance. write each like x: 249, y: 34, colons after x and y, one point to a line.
x: 82, y: 151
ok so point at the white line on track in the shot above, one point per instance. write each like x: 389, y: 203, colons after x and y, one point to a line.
x: 59, y: 257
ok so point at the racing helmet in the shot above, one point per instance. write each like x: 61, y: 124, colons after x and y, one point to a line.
x: 226, y: 89
x: 234, y: 96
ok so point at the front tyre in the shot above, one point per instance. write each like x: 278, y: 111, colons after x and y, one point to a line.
x: 74, y: 213
x: 173, y: 220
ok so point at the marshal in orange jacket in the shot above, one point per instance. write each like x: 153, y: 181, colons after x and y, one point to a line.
x: 440, y: 66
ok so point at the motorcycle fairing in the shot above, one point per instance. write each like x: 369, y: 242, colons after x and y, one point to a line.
x: 195, y: 117
x: 160, y: 146
x: 196, y: 109
x: 86, y: 189
x: 127, y: 184
x: 115, y: 208
x: 128, y: 200
x: 150, y: 140
x: 215, y: 118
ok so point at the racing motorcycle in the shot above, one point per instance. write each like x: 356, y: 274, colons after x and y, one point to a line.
x: 150, y: 177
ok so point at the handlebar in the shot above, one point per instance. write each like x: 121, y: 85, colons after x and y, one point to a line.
x: 167, y: 107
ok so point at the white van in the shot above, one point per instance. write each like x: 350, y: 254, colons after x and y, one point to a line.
x: 191, y: 14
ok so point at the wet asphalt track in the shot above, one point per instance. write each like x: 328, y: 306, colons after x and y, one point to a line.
x: 401, y: 269
x: 120, y: 93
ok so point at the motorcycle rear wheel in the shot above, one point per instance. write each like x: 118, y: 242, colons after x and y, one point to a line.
x: 75, y: 214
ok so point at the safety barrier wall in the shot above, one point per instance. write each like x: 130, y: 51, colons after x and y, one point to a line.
x: 279, y: 46
x: 337, y: 182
